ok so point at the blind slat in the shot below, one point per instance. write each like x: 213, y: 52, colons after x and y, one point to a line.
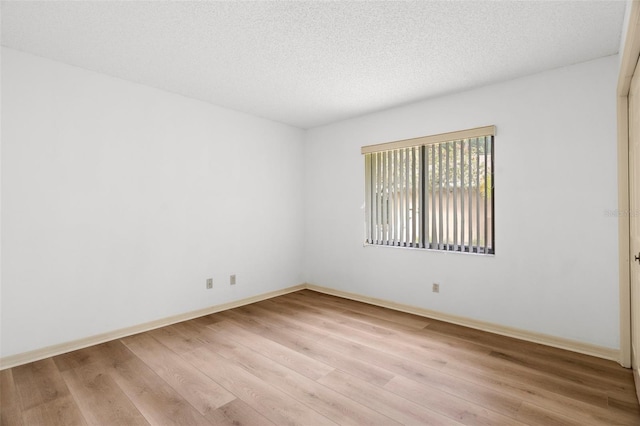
x: 446, y: 208
x: 423, y: 199
x: 385, y: 219
x: 486, y: 193
x: 434, y: 232
x: 491, y: 205
x: 463, y: 186
x: 398, y: 194
x: 401, y: 193
x: 379, y: 200
x: 414, y: 197
x: 440, y: 220
x: 477, y: 195
x: 367, y: 197
x: 470, y: 191
x: 391, y: 186
x: 455, y: 196
x: 407, y: 195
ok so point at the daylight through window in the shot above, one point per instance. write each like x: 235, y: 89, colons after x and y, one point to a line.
x: 435, y: 192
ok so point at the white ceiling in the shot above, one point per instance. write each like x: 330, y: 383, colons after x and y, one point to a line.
x: 312, y: 63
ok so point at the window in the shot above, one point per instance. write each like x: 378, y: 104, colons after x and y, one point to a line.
x: 434, y: 192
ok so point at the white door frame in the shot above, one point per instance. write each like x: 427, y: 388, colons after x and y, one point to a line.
x: 628, y: 64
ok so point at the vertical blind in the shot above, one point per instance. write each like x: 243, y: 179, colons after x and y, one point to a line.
x: 434, y: 192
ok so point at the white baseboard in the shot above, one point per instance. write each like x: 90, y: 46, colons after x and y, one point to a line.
x: 557, y: 342
x: 49, y: 351
x: 544, y: 339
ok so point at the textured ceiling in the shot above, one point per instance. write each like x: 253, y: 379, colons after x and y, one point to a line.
x: 312, y: 63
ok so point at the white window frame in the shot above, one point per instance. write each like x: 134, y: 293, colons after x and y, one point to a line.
x: 404, y: 194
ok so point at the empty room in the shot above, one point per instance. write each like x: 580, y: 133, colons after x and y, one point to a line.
x: 320, y: 212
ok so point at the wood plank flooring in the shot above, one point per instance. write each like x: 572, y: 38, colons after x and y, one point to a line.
x: 312, y: 359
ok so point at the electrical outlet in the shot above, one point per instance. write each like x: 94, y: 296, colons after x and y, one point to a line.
x: 436, y: 288
x: 209, y: 283
x: 232, y: 279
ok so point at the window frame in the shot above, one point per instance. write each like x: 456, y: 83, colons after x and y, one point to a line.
x: 408, y: 164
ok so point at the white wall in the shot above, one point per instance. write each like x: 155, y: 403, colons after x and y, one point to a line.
x: 555, y: 270
x: 119, y: 200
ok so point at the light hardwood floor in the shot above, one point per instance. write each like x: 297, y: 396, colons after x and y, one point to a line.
x: 313, y: 359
